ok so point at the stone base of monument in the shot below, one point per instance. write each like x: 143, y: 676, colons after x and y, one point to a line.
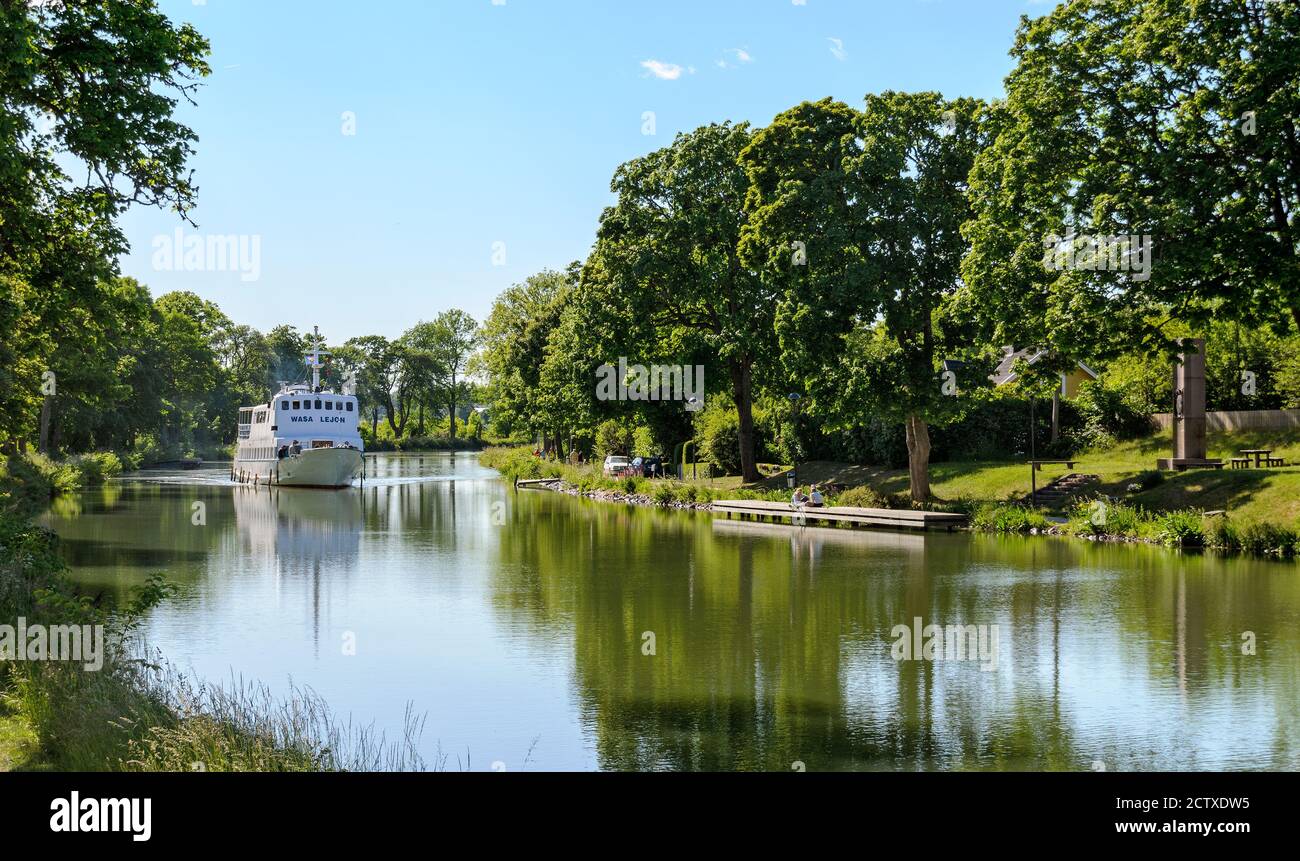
x: 1180, y: 463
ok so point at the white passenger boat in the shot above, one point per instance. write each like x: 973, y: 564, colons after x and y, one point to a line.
x: 305, y: 436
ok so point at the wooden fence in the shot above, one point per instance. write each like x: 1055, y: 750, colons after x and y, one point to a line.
x: 1235, y: 420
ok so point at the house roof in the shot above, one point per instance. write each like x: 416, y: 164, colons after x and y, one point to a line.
x: 1003, y: 374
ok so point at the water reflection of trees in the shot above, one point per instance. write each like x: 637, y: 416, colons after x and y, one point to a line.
x: 773, y: 645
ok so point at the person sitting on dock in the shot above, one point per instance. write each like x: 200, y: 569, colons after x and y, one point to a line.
x: 797, y: 499
x: 815, y: 499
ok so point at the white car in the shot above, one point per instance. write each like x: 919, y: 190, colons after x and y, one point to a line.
x: 615, y: 463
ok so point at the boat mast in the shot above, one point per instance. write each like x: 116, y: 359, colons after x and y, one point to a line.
x: 313, y: 358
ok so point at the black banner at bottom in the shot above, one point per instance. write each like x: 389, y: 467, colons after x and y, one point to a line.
x: 143, y: 812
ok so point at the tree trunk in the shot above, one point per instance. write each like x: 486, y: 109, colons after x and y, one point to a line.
x: 918, y: 458
x: 46, y: 408
x: 374, y: 423
x: 390, y: 413
x: 742, y: 383
x: 1056, y: 416
x: 451, y: 412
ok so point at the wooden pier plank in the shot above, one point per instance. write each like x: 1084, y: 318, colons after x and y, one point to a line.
x: 842, y: 514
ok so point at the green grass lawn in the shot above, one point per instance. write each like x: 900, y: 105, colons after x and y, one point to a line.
x: 1249, y: 495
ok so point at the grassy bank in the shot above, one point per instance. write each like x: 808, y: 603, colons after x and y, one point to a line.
x: 29, y: 481
x: 520, y: 463
x: 1256, y: 511
x: 1189, y: 528
x: 1248, y: 495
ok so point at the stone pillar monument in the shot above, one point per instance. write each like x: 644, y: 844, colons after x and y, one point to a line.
x: 1189, y: 409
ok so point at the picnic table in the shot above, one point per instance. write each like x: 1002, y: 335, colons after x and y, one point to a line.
x: 1259, y: 454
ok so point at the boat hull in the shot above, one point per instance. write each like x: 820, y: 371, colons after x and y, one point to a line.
x: 315, y: 467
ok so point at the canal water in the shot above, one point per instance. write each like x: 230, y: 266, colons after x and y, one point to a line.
x: 539, y: 631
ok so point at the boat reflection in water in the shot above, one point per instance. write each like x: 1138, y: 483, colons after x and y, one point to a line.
x: 296, y: 535
x: 297, y: 528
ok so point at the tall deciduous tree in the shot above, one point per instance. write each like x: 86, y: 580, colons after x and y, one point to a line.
x: 455, y: 337
x: 380, y: 380
x: 87, y: 129
x: 514, y: 347
x: 1173, y: 119
x: 670, y: 248
x: 855, y: 220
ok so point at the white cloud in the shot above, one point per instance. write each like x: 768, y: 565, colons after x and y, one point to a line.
x: 739, y: 55
x: 661, y: 70
x: 837, y: 48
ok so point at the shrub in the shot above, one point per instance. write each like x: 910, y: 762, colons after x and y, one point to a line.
x: 1222, y: 534
x: 1267, y: 539
x: 1148, y: 479
x: 1007, y: 519
x: 862, y: 496
x: 613, y: 438
x: 1181, y: 529
x: 88, y: 470
x: 1107, y: 416
x: 424, y: 443
x: 146, y: 450
x: 688, y: 493
x: 1100, y: 517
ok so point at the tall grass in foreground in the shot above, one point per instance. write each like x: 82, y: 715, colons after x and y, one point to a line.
x: 242, y: 726
x: 138, y: 713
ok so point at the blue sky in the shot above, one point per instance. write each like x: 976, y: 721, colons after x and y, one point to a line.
x: 486, y: 131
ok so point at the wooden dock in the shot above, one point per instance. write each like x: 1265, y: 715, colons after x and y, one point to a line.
x: 888, y: 518
x: 543, y: 483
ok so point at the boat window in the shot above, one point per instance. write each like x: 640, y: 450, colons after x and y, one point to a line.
x: 329, y: 405
x: 349, y: 406
x: 296, y: 405
x: 318, y: 403
x: 282, y: 405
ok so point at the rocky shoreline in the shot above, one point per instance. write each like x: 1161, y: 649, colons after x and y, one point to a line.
x: 629, y: 498
x: 601, y: 495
